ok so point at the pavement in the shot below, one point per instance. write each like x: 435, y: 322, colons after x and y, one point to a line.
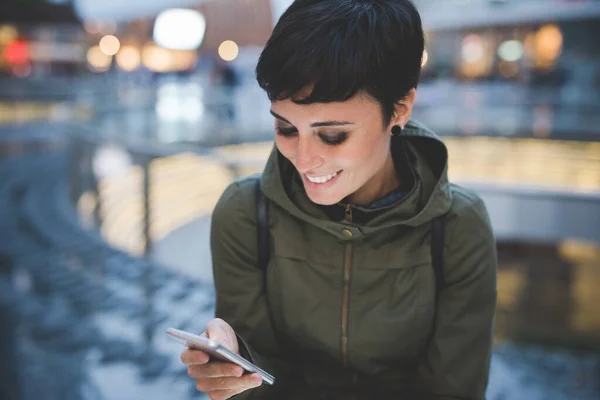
x: 82, y: 320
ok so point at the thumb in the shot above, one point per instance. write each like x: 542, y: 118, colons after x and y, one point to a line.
x: 221, y: 332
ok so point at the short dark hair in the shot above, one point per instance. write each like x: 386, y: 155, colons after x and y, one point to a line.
x: 341, y: 48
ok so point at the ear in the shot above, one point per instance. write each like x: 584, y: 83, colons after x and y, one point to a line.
x: 403, y: 110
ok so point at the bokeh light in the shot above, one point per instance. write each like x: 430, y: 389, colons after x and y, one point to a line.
x: 548, y: 45
x: 129, y: 58
x: 108, y: 28
x: 511, y: 50
x: 179, y: 29
x: 472, y: 49
x: 16, y: 52
x: 156, y: 58
x: 477, y: 56
x: 92, y: 27
x: 110, y: 45
x: 8, y: 34
x: 98, y: 60
x: 228, y: 50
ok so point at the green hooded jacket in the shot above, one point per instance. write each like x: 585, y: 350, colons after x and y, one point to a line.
x: 347, y: 305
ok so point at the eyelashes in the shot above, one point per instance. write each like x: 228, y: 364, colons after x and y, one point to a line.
x: 287, y: 132
x: 334, y: 140
x: 330, y: 140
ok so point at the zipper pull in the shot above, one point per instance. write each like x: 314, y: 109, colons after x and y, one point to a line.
x: 348, y: 213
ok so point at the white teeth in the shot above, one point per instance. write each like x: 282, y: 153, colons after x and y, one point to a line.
x: 321, y: 179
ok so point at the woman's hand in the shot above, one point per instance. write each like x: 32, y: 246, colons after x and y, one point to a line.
x: 219, y: 380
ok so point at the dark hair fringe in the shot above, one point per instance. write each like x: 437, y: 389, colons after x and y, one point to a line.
x: 342, y: 47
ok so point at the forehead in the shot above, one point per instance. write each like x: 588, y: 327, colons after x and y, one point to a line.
x: 359, y: 108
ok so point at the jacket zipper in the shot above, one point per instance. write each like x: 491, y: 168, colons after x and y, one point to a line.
x: 346, y: 295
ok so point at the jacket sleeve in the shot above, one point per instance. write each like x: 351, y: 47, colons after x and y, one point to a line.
x: 457, y: 361
x: 240, y: 285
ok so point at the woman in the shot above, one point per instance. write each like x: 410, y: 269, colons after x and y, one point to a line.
x: 348, y: 306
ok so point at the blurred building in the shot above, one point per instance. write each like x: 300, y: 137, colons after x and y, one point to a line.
x: 544, y: 42
x: 447, y: 14
x: 40, y: 38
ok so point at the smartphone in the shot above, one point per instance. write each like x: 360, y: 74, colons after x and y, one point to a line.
x: 217, y: 351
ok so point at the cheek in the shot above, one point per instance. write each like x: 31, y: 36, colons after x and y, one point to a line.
x: 364, y: 153
x: 365, y: 159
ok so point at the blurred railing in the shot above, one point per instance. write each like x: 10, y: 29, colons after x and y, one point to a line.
x: 172, y: 190
x: 137, y: 194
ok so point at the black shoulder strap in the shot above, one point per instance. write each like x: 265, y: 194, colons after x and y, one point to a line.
x: 437, y: 253
x: 437, y: 260
x: 262, y: 227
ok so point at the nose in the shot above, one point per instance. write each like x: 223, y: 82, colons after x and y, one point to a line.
x: 307, y: 154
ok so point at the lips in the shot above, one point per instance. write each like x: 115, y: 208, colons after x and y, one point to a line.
x: 322, y: 178
x: 322, y: 182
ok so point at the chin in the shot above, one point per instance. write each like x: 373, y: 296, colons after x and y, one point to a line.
x: 323, y: 200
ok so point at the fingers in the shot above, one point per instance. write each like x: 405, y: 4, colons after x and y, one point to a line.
x: 228, y: 386
x: 221, y: 394
x: 225, y: 394
x: 215, y: 370
x: 194, y: 357
x: 220, y: 380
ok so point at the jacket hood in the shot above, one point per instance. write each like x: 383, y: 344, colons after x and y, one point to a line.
x: 429, y: 198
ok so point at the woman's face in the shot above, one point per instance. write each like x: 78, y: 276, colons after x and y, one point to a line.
x: 336, y: 147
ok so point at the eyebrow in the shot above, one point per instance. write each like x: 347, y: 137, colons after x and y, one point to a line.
x: 315, y: 124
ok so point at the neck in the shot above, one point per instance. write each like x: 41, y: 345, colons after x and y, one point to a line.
x: 384, y: 182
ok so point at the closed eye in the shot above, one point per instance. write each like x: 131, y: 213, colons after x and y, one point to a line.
x: 286, y: 132
x: 334, y: 140
x: 328, y: 139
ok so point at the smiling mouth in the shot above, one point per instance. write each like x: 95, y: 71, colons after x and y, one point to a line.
x: 323, y: 178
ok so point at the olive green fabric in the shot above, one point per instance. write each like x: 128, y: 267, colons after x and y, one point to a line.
x: 399, y: 346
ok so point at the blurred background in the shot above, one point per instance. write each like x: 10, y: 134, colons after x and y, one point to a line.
x: 121, y: 123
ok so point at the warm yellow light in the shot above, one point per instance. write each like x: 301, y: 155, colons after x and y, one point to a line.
x: 183, y: 59
x: 159, y: 59
x: 98, y: 60
x: 476, y: 57
x: 425, y: 58
x: 228, y: 50
x: 548, y: 45
x: 156, y: 58
x: 8, y: 34
x: 473, y: 49
x: 128, y: 58
x: 110, y: 45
